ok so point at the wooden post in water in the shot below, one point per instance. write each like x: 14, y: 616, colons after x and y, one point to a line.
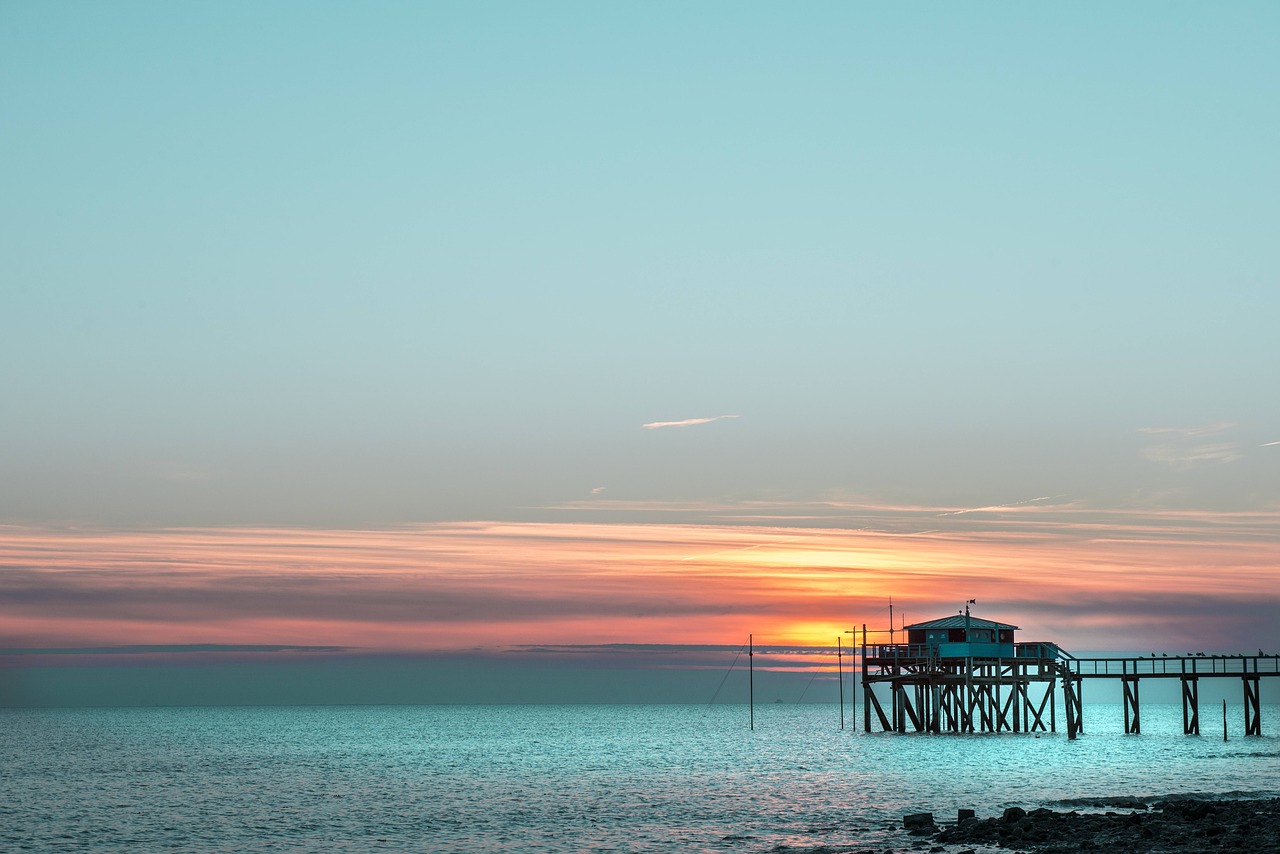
x: 1079, y: 704
x: 866, y: 686
x: 1224, y: 720
x: 1071, y: 701
x: 853, y: 681
x: 999, y: 678
x: 1053, y: 709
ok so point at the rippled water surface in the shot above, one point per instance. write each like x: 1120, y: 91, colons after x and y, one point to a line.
x: 559, y: 778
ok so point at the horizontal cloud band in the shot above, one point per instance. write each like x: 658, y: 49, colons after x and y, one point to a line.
x: 1085, y: 579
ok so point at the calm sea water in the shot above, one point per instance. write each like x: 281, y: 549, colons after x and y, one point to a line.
x: 560, y: 778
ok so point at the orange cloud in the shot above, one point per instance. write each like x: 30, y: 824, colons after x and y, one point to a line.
x: 1086, y: 579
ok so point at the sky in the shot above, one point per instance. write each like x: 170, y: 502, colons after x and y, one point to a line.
x: 589, y: 336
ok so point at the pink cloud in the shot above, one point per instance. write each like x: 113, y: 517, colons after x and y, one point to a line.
x: 1085, y: 578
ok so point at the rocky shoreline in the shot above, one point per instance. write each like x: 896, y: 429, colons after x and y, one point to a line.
x: 1171, y: 824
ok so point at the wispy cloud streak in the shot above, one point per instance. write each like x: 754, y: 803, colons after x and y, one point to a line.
x: 1185, y: 447
x: 999, y: 506
x: 688, y: 422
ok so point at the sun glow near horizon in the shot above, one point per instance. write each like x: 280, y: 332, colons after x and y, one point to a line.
x: 1123, y: 580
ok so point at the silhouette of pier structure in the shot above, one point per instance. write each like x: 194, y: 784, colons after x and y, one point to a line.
x: 963, y: 674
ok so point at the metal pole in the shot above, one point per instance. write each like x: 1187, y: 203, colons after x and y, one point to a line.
x: 840, y: 671
x: 751, y: 678
x: 1224, y: 720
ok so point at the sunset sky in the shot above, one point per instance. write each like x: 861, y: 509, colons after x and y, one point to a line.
x: 394, y: 332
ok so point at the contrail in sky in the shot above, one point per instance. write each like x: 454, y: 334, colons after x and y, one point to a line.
x: 1268, y: 444
x: 688, y: 422
x: 998, y: 506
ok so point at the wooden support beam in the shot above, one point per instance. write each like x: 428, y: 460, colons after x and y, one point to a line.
x: 871, y: 701
x: 951, y: 707
x: 1071, y: 700
x: 1027, y: 708
x: 1010, y: 705
x: 1038, y: 723
x: 980, y: 691
x: 1132, y: 712
x: 1002, y: 723
x: 1053, y: 707
x: 966, y: 709
x: 1252, y: 705
x: 1191, y: 705
x: 935, y: 707
x: 909, y: 712
x: 866, y: 705
x: 1019, y: 701
x: 1004, y: 690
x: 1079, y: 703
x: 900, y: 701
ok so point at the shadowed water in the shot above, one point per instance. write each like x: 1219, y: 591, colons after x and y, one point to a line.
x: 559, y: 778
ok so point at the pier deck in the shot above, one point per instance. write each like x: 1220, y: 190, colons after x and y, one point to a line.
x: 1189, y: 669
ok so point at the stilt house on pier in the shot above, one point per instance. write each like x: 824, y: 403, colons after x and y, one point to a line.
x: 962, y: 636
x: 966, y: 674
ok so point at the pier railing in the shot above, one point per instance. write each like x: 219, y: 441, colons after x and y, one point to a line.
x: 899, y: 650
x: 1041, y: 649
x: 1177, y: 666
x: 922, y: 651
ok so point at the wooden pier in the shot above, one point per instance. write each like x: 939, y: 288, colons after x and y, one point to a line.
x: 963, y: 674
x: 1189, y: 670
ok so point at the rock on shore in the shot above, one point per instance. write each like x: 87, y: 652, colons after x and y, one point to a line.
x: 1174, y: 824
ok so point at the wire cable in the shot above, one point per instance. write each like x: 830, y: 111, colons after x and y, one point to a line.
x: 726, y: 675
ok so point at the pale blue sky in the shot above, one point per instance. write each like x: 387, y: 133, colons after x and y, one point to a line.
x: 381, y: 262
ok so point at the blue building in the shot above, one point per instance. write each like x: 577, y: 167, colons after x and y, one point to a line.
x: 962, y: 636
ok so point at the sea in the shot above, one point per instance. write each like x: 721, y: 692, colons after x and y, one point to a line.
x: 606, y: 778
